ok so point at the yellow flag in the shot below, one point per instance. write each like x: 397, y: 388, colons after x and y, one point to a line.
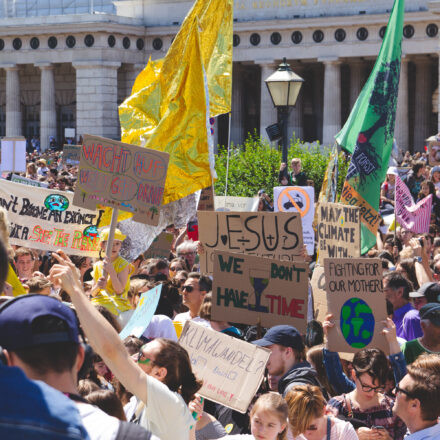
x: 167, y: 110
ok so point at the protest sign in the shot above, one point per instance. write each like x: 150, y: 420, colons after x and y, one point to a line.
x: 357, y: 302
x: 13, y: 155
x: 143, y: 313
x: 46, y: 219
x: 237, y: 204
x: 319, y: 294
x: 265, y: 234
x: 121, y: 176
x: 206, y: 202
x: 434, y: 150
x: 231, y: 369
x: 250, y: 289
x: 30, y: 182
x: 161, y: 246
x: 339, y: 231
x: 71, y: 154
x: 69, y: 132
x: 298, y: 199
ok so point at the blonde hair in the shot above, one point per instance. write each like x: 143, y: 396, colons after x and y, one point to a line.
x: 274, y: 403
x: 306, y: 403
x: 4, y: 231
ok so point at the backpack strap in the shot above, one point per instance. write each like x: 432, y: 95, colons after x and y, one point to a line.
x: 329, y: 427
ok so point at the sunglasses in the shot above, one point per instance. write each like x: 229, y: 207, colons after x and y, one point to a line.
x: 189, y: 289
x: 142, y: 359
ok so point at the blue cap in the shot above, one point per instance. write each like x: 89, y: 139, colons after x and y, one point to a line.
x: 431, y: 311
x: 18, y: 314
x: 284, y: 335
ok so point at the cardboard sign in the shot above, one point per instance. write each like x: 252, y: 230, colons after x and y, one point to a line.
x: 298, y: 199
x: 357, y: 302
x: 30, y: 182
x: 231, y: 369
x: 46, y: 219
x: 265, y: 234
x: 248, y: 289
x: 320, y: 310
x: 71, y: 154
x: 13, y: 157
x: 206, y: 202
x: 339, y: 231
x: 434, y: 150
x: 143, y: 314
x: 121, y: 176
x: 237, y: 204
x: 161, y: 246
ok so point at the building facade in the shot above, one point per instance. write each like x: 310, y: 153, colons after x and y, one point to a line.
x: 69, y: 64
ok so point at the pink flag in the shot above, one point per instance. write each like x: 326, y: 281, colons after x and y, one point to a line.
x: 414, y: 217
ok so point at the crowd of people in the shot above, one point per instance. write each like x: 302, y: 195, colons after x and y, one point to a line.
x: 66, y: 374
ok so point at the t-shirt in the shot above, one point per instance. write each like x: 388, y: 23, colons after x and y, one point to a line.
x: 413, y: 349
x: 183, y: 317
x: 99, y: 425
x: 340, y: 430
x: 411, y: 328
x: 166, y: 414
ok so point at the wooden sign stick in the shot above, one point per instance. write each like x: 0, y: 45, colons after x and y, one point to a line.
x: 111, y: 235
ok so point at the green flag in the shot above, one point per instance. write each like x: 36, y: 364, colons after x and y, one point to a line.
x: 369, y: 131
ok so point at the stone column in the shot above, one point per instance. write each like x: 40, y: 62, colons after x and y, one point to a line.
x: 296, y: 113
x: 401, y: 131
x: 237, y: 105
x: 422, y: 102
x: 97, y: 98
x: 48, y: 114
x: 13, y: 106
x: 332, y: 100
x: 268, y: 112
x: 356, y: 80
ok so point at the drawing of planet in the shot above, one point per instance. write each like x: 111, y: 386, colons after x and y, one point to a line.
x: 357, y: 323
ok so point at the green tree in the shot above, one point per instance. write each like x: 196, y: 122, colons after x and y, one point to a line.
x: 255, y: 165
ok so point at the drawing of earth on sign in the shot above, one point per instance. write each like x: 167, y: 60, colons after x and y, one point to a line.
x: 357, y: 323
x: 56, y: 202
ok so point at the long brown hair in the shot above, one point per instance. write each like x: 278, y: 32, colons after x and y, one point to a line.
x: 180, y: 377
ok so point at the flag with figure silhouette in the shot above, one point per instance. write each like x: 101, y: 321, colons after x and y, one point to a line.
x: 369, y: 131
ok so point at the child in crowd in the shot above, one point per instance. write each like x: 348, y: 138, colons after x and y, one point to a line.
x: 112, y: 291
x: 268, y: 419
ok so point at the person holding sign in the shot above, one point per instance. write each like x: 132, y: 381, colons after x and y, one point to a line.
x: 160, y: 375
x: 111, y: 291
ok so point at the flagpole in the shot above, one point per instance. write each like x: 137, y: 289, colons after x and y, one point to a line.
x: 227, y: 160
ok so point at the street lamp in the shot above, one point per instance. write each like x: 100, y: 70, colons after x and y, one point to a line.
x: 284, y: 86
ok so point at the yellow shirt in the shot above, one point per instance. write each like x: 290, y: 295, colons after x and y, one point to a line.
x: 17, y: 287
x: 116, y: 303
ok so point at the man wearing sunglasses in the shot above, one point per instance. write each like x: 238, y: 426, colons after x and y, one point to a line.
x: 193, y: 292
x: 418, y: 397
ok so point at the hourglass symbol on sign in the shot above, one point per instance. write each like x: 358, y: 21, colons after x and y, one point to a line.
x: 259, y: 279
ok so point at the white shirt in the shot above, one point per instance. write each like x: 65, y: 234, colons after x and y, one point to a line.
x: 98, y: 424
x: 166, y: 414
x: 183, y: 317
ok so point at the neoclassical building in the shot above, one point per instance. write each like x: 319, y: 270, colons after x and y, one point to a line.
x: 69, y: 63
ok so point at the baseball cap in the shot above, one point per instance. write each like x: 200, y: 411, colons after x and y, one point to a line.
x: 18, y: 314
x: 435, y: 169
x: 431, y: 311
x: 284, y: 335
x: 392, y: 170
x: 118, y: 235
x: 429, y: 290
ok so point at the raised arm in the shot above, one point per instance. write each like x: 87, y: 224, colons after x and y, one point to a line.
x: 101, y: 335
